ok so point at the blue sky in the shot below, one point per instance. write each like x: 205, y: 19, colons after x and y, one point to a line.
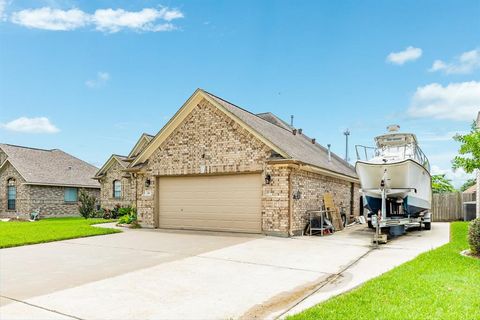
x: 89, y: 77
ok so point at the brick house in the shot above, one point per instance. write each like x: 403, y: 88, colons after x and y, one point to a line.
x: 118, y: 186
x: 47, y: 181
x: 216, y: 166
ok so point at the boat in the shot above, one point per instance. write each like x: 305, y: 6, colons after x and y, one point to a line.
x: 395, y: 179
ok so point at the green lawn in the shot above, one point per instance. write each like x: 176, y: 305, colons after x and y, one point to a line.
x: 21, y: 233
x: 439, y: 284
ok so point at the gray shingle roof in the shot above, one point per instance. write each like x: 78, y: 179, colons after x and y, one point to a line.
x: 50, y: 167
x: 298, y: 147
x: 270, y: 117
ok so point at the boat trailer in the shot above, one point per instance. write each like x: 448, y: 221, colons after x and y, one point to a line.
x: 396, y: 225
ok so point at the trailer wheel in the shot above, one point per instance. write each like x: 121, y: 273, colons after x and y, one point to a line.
x: 427, y: 225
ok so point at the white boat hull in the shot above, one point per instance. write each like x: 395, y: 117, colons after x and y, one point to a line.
x: 404, y: 180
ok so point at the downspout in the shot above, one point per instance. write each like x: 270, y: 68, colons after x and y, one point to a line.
x: 290, y: 203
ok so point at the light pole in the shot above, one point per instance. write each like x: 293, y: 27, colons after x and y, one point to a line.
x: 346, y: 133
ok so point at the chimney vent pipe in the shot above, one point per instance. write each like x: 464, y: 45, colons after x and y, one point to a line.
x: 294, y: 132
x: 329, y: 153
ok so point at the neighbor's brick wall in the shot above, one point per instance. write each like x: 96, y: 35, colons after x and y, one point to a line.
x: 50, y: 200
x: 312, y: 187
x: 107, y: 201
x: 206, y: 142
x: 22, y: 191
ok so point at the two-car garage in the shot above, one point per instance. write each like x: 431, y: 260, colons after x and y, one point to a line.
x: 217, y: 203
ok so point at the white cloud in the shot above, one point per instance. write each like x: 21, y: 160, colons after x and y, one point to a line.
x: 456, y: 101
x: 109, y: 20
x: 105, y: 20
x: 30, y: 125
x: 3, y: 7
x: 99, y: 81
x: 51, y: 19
x: 409, y: 54
x: 448, y: 136
x: 458, y: 177
x: 467, y: 62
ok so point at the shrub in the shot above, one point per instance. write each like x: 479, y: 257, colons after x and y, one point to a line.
x: 86, y: 205
x: 474, y: 236
x: 127, y: 219
x: 128, y: 210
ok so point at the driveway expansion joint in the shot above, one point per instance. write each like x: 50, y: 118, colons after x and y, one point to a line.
x: 40, y: 307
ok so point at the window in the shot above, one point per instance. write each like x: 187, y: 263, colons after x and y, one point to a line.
x: 117, y: 189
x: 11, y: 194
x: 71, y: 195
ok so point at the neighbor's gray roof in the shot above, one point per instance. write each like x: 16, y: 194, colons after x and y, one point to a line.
x: 50, y: 167
x: 298, y: 147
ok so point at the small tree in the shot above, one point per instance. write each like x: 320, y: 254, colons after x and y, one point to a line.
x: 440, y: 184
x: 469, y: 153
x: 86, y: 205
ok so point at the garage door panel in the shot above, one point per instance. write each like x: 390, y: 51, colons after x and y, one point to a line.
x: 226, y: 203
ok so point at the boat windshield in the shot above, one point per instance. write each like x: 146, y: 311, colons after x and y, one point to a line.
x: 392, y: 153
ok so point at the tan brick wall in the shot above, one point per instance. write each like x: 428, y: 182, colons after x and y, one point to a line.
x: 275, y: 200
x: 107, y: 201
x: 312, y: 187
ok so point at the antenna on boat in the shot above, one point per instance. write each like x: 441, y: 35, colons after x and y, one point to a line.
x: 393, y: 128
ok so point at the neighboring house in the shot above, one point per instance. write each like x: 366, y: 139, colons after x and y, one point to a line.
x: 118, y: 186
x: 47, y: 181
x: 216, y: 166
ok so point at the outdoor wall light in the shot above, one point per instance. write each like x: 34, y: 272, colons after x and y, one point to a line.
x: 147, y: 183
x: 297, y: 195
x: 268, y: 179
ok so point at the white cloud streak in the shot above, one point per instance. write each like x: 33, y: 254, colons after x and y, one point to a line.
x: 3, y: 8
x: 99, y: 81
x: 401, y: 57
x: 104, y: 20
x: 51, y: 19
x: 30, y: 125
x: 456, y: 101
x: 466, y: 63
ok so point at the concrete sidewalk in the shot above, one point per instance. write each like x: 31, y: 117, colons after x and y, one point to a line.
x: 153, y: 274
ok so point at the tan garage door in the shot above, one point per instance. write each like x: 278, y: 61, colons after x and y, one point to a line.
x: 223, y: 203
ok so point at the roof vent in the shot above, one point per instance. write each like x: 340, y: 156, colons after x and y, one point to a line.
x: 314, y: 141
x: 393, y: 128
x: 329, y: 153
x: 300, y: 131
x: 69, y: 167
x: 294, y: 132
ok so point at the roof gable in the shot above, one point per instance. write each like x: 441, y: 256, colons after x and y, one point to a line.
x: 182, y: 113
x: 142, y: 142
x: 114, y: 158
x: 50, y: 167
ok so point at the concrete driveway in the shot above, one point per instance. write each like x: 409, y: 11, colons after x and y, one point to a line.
x: 153, y: 274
